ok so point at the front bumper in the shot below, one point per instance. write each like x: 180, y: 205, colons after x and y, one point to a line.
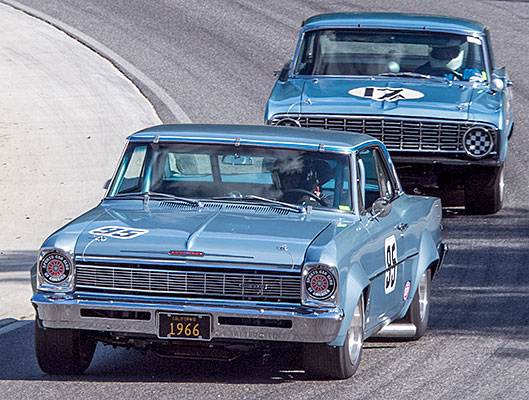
x: 306, y: 324
x: 401, y: 158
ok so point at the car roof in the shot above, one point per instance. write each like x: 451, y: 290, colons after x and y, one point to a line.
x: 314, y: 139
x: 395, y: 21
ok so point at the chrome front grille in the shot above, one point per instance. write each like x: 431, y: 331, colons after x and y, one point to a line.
x: 397, y: 134
x: 174, y: 281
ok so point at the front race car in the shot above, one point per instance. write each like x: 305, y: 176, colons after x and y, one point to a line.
x: 213, y: 241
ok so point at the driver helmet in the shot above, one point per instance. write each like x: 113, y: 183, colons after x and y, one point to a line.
x: 292, y: 174
x: 300, y: 174
x: 449, y: 55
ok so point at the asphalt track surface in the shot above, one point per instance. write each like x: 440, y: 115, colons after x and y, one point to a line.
x: 214, y: 60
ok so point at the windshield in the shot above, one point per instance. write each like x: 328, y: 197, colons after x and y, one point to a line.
x: 361, y: 52
x: 226, y: 173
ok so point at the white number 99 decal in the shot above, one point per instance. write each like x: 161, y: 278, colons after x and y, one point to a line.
x: 118, y: 232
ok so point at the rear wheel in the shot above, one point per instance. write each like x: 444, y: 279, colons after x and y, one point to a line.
x: 419, y: 310
x: 63, y: 351
x: 337, y: 362
x: 484, y: 190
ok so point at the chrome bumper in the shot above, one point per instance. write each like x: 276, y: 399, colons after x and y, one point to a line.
x: 438, y: 158
x: 307, y: 325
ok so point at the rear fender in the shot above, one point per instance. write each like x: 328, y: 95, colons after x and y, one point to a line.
x: 428, y: 258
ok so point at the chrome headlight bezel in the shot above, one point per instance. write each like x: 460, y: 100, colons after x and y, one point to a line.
x: 326, y: 278
x: 478, y: 146
x: 63, y: 280
x: 286, y: 121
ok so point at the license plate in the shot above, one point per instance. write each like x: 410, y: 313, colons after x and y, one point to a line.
x: 184, y: 326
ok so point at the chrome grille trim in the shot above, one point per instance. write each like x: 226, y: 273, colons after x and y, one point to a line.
x: 241, y: 285
x: 398, y: 134
x: 184, y: 263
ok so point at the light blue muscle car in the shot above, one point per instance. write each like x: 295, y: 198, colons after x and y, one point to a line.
x: 427, y: 86
x: 239, y: 237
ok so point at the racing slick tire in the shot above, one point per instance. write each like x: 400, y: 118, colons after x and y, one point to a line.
x: 322, y: 361
x: 63, y: 351
x: 419, y: 310
x: 484, y: 191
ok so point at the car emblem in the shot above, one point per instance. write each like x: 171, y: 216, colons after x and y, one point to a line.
x: 385, y: 94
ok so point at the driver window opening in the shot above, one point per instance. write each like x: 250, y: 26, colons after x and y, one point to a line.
x: 374, y: 179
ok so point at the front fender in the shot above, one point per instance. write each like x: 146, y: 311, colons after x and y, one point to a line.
x: 355, y: 281
x: 33, y: 277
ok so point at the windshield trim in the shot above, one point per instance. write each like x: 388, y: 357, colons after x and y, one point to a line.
x: 342, y: 151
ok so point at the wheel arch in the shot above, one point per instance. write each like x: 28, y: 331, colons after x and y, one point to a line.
x: 427, y: 258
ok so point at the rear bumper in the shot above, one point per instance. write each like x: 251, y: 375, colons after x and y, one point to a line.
x: 306, y: 324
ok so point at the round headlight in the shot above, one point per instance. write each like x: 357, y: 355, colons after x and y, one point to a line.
x: 478, y: 142
x: 55, y: 267
x: 320, y: 283
x: 288, y: 122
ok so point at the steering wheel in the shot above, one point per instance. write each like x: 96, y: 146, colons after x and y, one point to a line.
x: 308, y: 193
x: 445, y: 70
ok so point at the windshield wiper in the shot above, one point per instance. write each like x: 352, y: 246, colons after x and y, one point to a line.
x: 415, y: 75
x: 299, y: 209
x: 148, y: 195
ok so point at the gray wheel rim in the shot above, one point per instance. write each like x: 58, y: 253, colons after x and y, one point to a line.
x: 423, y: 296
x: 356, y: 334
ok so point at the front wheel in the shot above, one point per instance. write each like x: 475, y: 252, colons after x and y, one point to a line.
x: 63, y: 351
x: 337, y: 362
x: 484, y: 190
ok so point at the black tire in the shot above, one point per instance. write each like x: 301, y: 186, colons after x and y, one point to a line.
x: 322, y: 361
x: 419, y: 310
x: 63, y: 351
x: 484, y: 190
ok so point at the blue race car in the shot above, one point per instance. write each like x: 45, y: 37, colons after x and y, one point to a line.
x: 213, y: 240
x: 426, y: 86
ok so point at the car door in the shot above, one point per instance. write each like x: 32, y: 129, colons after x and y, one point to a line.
x: 399, y: 253
x: 383, y: 261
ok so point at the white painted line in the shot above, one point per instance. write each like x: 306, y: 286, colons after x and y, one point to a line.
x: 100, y: 48
x: 14, y: 325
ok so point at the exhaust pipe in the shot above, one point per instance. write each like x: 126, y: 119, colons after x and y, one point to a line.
x: 397, y: 331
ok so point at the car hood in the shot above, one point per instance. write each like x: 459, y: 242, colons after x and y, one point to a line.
x: 221, y: 235
x: 398, y: 97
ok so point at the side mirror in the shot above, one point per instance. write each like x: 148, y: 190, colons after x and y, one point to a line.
x: 283, y: 74
x: 497, y: 84
x: 381, y: 208
x: 107, y: 184
x: 499, y: 80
